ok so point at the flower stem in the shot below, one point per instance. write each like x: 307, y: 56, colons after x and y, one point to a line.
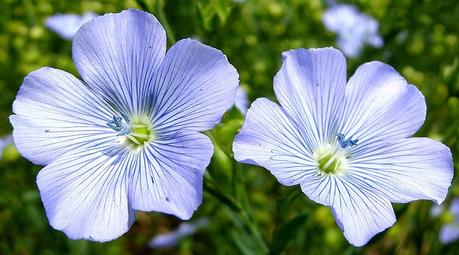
x: 161, y: 16
x: 163, y: 20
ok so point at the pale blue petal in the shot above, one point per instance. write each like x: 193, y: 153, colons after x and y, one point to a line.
x: 5, y: 142
x: 56, y: 113
x: 242, y: 101
x: 354, y: 29
x: 167, y: 240
x: 350, y: 47
x: 436, y: 210
x: 405, y: 170
x: 340, y: 17
x: 310, y: 87
x: 359, y: 213
x: 449, y: 233
x: 381, y: 106
x: 270, y: 139
x: 174, y: 237
x: 454, y: 208
x: 66, y: 25
x: 85, y: 194
x: 116, y: 54
x: 168, y: 175
x: 193, y: 87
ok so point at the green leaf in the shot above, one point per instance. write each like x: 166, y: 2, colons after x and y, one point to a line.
x: 286, y: 233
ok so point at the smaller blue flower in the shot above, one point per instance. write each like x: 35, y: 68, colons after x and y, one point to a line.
x: 354, y: 28
x: 347, y: 144
x: 450, y: 232
x: 66, y: 25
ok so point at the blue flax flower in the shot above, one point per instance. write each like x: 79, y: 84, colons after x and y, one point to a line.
x: 354, y: 28
x: 125, y: 137
x: 346, y: 145
x: 450, y: 232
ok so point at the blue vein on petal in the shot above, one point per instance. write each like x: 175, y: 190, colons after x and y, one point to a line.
x: 345, y: 143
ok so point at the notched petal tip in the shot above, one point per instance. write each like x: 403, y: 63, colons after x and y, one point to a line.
x: 124, y: 13
x: 294, y: 52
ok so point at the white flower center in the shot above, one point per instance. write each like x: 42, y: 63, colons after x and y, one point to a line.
x: 331, y: 159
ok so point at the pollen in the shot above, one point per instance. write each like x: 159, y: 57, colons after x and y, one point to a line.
x: 330, y: 159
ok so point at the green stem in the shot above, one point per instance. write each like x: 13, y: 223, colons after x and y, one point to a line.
x: 163, y: 19
x: 254, y: 229
x: 161, y: 16
x: 213, y: 189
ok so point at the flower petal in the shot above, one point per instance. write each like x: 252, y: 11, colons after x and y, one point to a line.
x: 359, y: 213
x: 380, y: 105
x: 85, y: 194
x: 454, y: 208
x: 405, y: 170
x: 66, y: 25
x: 242, y: 101
x: 449, y: 233
x: 116, y: 54
x: 168, y: 177
x: 310, y: 87
x: 194, y: 86
x: 56, y: 113
x: 271, y: 140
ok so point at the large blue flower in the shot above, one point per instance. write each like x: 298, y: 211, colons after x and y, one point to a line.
x: 125, y: 138
x: 346, y: 145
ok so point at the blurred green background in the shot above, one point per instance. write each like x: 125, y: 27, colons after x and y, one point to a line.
x: 421, y: 41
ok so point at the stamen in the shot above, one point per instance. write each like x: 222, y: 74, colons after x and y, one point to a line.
x: 138, y: 131
x: 345, y: 143
x: 116, y: 124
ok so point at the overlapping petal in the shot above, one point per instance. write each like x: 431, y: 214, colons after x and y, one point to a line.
x: 359, y: 213
x: 116, y: 54
x: 66, y: 25
x: 85, y: 194
x: 380, y: 105
x: 167, y: 176
x: 405, y: 170
x: 270, y: 139
x: 193, y: 87
x: 56, y: 113
x: 310, y: 87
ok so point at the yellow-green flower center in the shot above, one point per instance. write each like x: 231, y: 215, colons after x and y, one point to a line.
x: 141, y: 132
x: 330, y: 159
x: 135, y: 133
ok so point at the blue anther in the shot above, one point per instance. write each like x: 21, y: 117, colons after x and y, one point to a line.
x: 117, y: 125
x: 345, y: 143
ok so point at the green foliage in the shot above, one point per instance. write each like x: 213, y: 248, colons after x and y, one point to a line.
x: 248, y: 211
